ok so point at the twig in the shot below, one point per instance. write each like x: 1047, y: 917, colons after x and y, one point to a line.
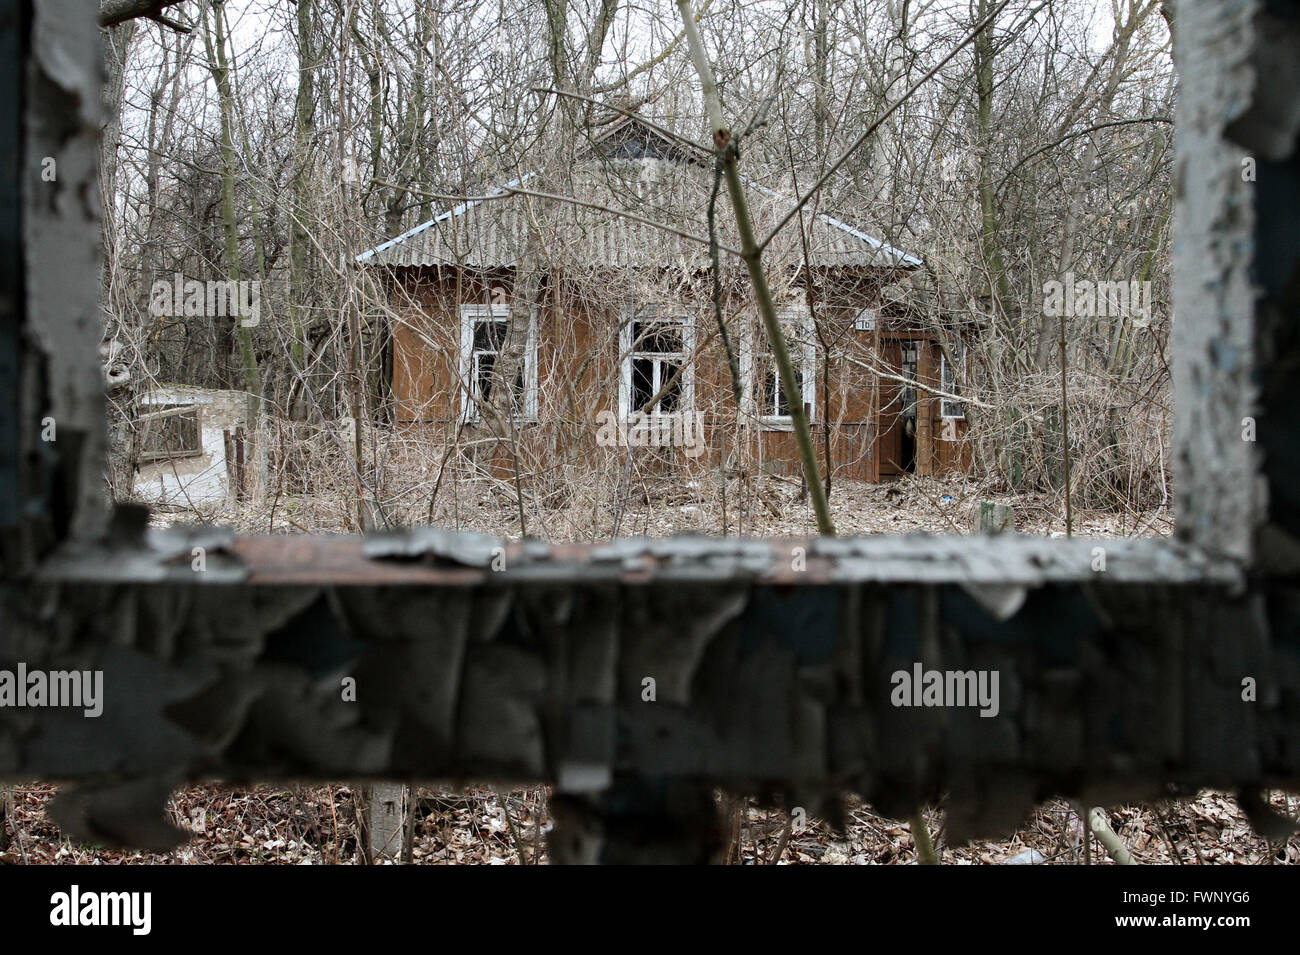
x: 408, y: 843
x: 515, y: 190
x: 510, y: 824
x: 779, y: 849
x: 1065, y: 438
x: 113, y: 12
x: 640, y: 118
x: 1075, y: 135
x: 925, y: 854
x: 917, y: 484
x: 506, y: 192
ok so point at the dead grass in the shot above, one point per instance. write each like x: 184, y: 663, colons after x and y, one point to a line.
x: 658, y: 506
x: 316, y: 825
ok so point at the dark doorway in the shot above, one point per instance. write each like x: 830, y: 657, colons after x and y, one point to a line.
x: 897, y: 414
x: 907, y: 440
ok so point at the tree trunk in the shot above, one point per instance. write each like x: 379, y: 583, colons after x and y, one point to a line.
x: 215, y: 41
x: 304, y: 132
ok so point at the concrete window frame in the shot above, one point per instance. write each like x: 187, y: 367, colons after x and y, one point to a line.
x: 1124, y: 661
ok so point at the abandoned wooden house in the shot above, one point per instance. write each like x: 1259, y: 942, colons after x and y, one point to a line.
x: 624, y: 346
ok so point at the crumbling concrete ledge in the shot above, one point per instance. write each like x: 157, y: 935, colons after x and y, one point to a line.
x: 1125, y: 670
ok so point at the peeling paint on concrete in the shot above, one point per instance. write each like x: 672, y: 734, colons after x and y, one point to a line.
x: 64, y: 323
x: 1113, y: 685
x: 1220, y: 502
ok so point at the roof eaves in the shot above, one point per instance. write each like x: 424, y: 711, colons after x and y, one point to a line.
x: 902, y: 256
x: 452, y: 213
x: 871, y: 240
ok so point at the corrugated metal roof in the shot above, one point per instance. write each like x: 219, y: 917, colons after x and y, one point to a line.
x: 491, y: 231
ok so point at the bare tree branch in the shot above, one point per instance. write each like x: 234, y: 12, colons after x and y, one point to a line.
x: 866, y: 133
x: 1075, y: 135
x: 113, y: 12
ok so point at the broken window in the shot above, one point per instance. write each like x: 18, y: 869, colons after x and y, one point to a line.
x: 771, y: 405
x: 772, y: 400
x: 168, y: 431
x: 656, y: 375
x: 483, y: 336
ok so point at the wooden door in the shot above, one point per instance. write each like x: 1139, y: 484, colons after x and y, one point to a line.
x: 889, y: 413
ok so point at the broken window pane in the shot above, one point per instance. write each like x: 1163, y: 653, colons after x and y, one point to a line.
x: 671, y: 399
x: 659, y: 337
x: 487, y: 337
x: 169, y: 431
x: 658, y: 353
x: 642, y: 382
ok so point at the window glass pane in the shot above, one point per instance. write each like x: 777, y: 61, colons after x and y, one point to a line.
x: 657, y: 337
x: 642, y: 382
x: 488, y: 335
x: 672, y: 398
x: 483, y: 365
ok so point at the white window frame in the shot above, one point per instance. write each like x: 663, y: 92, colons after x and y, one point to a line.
x: 686, y: 321
x: 944, y: 370
x: 803, y: 350
x: 470, y: 315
